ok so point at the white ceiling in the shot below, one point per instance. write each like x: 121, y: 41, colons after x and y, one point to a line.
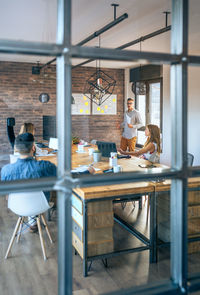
x: 35, y: 20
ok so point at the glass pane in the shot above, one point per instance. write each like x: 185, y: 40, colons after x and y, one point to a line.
x: 194, y: 23
x: 91, y: 123
x: 27, y: 255
x: 154, y: 103
x: 193, y: 186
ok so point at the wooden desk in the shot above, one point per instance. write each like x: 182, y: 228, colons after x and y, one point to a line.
x: 92, y: 210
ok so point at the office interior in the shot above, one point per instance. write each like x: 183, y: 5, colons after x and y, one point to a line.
x: 20, y: 89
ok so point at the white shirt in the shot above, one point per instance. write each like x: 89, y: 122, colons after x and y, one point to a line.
x: 153, y: 157
x: 133, y: 117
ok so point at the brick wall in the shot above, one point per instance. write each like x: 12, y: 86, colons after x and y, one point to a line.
x: 19, y: 98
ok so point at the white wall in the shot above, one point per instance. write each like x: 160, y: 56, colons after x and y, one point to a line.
x: 166, y: 137
x: 127, y: 89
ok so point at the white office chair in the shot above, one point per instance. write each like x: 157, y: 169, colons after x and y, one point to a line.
x: 28, y: 204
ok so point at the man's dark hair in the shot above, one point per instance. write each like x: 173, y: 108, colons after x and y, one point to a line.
x: 24, y: 143
x: 130, y: 99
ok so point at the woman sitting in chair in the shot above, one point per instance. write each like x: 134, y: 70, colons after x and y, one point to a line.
x: 30, y: 128
x: 151, y: 150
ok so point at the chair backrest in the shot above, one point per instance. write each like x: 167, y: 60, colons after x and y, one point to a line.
x: 28, y: 203
x: 53, y: 143
x: 190, y: 159
x: 11, y: 135
x: 106, y: 148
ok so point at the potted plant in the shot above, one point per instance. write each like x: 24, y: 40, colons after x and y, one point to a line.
x: 96, y: 155
x: 75, y: 140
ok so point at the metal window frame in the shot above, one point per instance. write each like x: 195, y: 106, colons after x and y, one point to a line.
x: 179, y: 172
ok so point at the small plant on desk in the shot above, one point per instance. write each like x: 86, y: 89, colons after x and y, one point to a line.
x: 75, y: 140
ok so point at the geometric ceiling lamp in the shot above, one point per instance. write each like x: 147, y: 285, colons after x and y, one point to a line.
x: 100, y: 86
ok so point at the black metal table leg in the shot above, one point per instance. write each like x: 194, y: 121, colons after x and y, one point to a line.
x: 85, y: 244
x: 153, y: 228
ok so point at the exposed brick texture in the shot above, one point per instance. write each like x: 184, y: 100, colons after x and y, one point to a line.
x: 19, y: 98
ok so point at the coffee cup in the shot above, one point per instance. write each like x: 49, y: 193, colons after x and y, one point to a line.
x: 113, y: 155
x: 113, y: 162
x: 90, y: 151
x: 117, y: 168
x: 80, y: 147
x: 96, y: 156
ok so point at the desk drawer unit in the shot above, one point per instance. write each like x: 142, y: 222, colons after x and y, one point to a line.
x: 99, y: 228
x: 163, y: 217
x: 77, y: 203
x: 77, y: 217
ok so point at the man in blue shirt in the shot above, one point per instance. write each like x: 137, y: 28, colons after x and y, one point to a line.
x: 26, y: 166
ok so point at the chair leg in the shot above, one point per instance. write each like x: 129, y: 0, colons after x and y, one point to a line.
x: 41, y: 238
x: 20, y: 229
x: 46, y: 227
x: 13, y: 236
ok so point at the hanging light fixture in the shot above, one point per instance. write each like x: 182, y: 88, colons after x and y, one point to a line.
x: 139, y: 88
x: 100, y: 86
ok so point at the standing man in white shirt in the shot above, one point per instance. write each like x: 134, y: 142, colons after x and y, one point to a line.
x: 132, y: 122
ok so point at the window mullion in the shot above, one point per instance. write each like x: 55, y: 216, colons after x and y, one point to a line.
x: 179, y: 144
x: 64, y: 153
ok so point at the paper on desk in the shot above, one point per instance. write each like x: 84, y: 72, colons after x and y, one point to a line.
x: 83, y: 168
x: 41, y: 152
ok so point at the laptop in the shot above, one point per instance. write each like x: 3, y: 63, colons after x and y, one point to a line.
x: 106, y: 148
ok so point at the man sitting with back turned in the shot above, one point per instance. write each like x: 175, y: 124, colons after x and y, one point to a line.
x: 26, y: 166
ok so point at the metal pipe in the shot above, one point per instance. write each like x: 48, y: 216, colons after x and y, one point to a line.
x: 95, y: 34
x: 143, y: 38
x: 104, y: 29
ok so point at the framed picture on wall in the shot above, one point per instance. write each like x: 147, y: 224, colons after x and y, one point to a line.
x: 109, y: 107
x: 82, y: 104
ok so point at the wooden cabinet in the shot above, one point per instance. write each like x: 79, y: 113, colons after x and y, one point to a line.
x: 97, y: 226
x: 163, y: 218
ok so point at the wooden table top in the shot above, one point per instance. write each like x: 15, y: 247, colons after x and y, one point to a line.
x: 109, y: 190
x: 127, y: 166
x: 165, y: 185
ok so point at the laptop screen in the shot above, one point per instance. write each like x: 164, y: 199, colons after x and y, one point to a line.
x: 106, y: 148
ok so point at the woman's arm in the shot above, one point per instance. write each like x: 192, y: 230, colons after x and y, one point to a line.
x: 149, y: 148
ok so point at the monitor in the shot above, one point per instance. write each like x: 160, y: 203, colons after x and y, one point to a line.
x: 106, y: 148
x: 49, y: 127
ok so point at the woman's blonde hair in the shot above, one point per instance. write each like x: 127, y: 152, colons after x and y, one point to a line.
x: 154, y: 136
x: 27, y: 127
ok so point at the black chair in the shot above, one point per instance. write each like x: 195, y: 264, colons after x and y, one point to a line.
x: 10, y: 131
x: 106, y: 148
x: 190, y: 159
